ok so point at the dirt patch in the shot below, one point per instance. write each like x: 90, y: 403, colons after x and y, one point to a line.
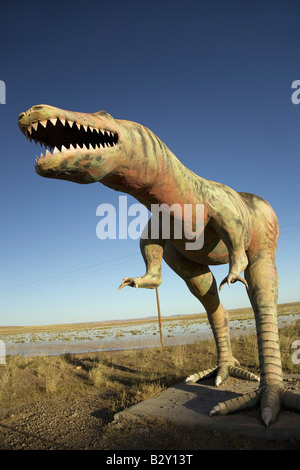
x: 54, y: 425
x: 85, y: 425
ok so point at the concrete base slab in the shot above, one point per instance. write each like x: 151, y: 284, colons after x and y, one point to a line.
x: 190, y: 405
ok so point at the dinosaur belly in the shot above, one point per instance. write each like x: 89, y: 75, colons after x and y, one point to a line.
x: 217, y: 255
x: 213, y: 252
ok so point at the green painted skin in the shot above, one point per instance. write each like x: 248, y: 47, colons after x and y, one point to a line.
x: 240, y: 229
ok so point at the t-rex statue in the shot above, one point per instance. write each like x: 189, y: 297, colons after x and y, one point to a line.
x: 239, y: 228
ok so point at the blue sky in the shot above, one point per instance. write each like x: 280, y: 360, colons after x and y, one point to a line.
x: 211, y: 78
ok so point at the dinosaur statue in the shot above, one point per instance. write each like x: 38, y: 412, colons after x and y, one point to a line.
x: 239, y: 228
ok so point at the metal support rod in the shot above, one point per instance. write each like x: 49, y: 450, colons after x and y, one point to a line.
x: 159, y: 318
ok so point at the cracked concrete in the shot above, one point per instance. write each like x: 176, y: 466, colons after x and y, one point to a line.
x: 190, y: 405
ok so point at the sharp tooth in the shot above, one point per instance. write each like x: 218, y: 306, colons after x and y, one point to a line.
x: 78, y: 125
x: 85, y: 128
x: 97, y: 130
x: 48, y: 154
x: 70, y: 123
x: 63, y: 121
x: 71, y: 147
x: 41, y: 156
x: 77, y: 145
x: 91, y: 128
x: 36, y: 159
x: 29, y: 130
x: 44, y: 123
x: 56, y: 150
x: 54, y: 121
x: 63, y: 148
x: 34, y: 125
x: 84, y: 147
x: 91, y: 147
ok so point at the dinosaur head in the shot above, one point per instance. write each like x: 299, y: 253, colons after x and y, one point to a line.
x: 80, y: 147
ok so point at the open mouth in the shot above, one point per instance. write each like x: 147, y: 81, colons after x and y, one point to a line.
x: 60, y: 136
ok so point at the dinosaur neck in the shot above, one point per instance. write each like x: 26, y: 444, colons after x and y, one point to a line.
x: 155, y: 175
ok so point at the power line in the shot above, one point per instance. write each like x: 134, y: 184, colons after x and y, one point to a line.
x: 66, y: 276
x: 62, y: 281
x: 289, y: 225
x: 288, y: 238
x: 67, y: 273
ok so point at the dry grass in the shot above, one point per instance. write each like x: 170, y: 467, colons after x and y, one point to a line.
x: 135, y: 373
x: 122, y: 378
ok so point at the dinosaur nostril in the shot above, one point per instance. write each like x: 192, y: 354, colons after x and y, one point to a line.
x: 21, y: 115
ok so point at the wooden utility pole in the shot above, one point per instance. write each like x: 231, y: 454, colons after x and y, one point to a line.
x: 159, y: 319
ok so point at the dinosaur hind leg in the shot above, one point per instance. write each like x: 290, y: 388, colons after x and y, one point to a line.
x: 263, y: 285
x: 202, y: 285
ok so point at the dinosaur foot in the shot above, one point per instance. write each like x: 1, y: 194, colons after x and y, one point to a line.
x: 271, y: 398
x: 221, y: 373
x: 128, y: 281
x: 231, y: 278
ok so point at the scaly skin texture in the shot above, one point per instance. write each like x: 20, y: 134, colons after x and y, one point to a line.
x: 239, y: 228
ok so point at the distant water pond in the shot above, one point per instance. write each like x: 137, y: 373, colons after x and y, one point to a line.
x: 123, y: 336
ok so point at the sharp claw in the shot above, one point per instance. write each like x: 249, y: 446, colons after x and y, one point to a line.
x: 266, y: 415
x: 190, y: 378
x: 240, y: 278
x: 124, y: 284
x: 205, y: 374
x: 215, y: 410
x: 271, y: 398
x: 231, y: 278
x: 222, y: 375
x: 218, y: 381
x: 128, y: 282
